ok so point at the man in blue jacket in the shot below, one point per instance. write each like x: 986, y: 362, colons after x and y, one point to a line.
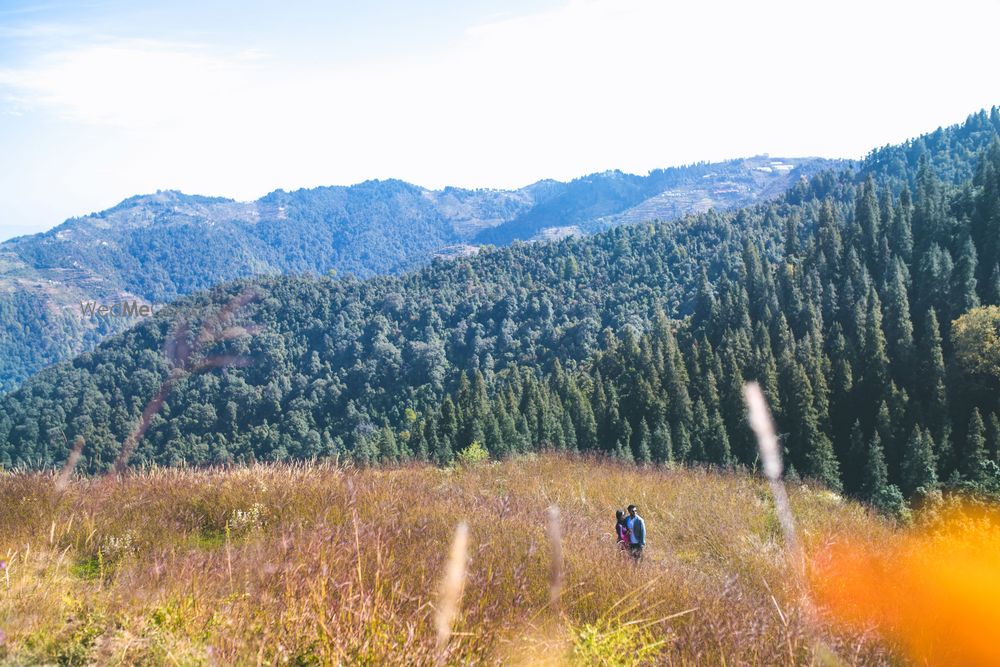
x: 636, y: 533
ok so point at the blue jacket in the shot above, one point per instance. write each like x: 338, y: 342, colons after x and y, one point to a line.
x: 637, y: 530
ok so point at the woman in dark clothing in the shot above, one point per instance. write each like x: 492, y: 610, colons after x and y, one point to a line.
x: 621, y: 530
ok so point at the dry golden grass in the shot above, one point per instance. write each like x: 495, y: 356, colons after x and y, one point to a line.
x: 313, y: 564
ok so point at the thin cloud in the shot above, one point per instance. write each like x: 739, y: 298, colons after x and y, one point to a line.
x: 586, y: 86
x: 128, y: 83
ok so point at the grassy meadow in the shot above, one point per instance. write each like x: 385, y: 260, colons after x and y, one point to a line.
x: 314, y: 564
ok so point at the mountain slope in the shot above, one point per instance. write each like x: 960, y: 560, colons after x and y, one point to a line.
x: 838, y: 298
x: 600, y: 201
x: 154, y: 248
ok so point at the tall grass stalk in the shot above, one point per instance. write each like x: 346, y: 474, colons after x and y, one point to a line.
x: 556, y: 574
x: 452, y: 585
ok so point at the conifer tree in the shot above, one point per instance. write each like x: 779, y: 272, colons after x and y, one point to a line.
x: 661, y: 445
x: 764, y: 368
x: 885, y: 431
x: 448, y: 423
x: 387, y: 445
x: 493, y: 438
x: 934, y: 268
x: 681, y: 439
x: 868, y: 216
x: 932, y: 379
x: 700, y: 432
x: 919, y: 469
x: 792, y: 235
x: 676, y: 382
x: 985, y: 227
x: 623, y: 436
x: 445, y: 453
x: 901, y: 232
x: 705, y: 303
x: 927, y: 207
x: 854, y: 473
x: 993, y: 429
x: 964, y: 296
x: 419, y: 442
x: 509, y: 433
x: 898, y: 325
x: 524, y: 436
x: 430, y: 436
x: 716, y: 443
x: 830, y: 240
x: 993, y: 288
x: 875, y: 360
x: 642, y: 451
x: 974, y: 456
x: 841, y: 404
x: 875, y: 486
x: 808, y: 447
x: 568, y: 432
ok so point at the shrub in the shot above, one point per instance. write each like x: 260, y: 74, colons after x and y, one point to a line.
x: 473, y: 455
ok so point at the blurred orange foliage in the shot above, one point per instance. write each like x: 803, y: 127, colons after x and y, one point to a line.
x: 934, y: 590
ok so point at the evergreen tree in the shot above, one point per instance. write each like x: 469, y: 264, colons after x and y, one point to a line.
x: 808, y: 448
x: 700, y: 432
x: 387, y: 445
x: 716, y: 443
x: 932, y: 381
x: 974, y: 457
x: 919, y: 469
x: 993, y: 288
x: 642, y: 450
x: 874, y: 365
x: 875, y: 486
x: 934, y: 268
x: 868, y: 216
x: 901, y: 232
x: 661, y: 445
x: 855, y: 473
x: 964, y: 296
x: 682, y: 443
x: 569, y: 432
x: 623, y: 438
x: 985, y: 224
x: 419, y: 441
x: 994, y: 437
x: 898, y: 325
x: 493, y: 437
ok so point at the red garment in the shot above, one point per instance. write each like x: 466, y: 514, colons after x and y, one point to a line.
x: 623, y: 536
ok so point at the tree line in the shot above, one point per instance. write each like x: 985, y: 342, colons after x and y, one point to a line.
x: 861, y: 301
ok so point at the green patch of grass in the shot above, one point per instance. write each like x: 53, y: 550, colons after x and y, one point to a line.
x: 89, y: 569
x: 615, y: 644
x: 208, y: 539
x: 73, y: 645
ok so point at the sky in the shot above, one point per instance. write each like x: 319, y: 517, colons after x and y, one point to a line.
x: 103, y: 100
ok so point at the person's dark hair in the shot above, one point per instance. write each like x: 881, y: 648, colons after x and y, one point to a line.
x: 632, y: 508
x: 619, y: 514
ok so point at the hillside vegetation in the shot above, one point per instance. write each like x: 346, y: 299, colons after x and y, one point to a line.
x: 313, y: 564
x: 839, y: 299
x: 157, y: 247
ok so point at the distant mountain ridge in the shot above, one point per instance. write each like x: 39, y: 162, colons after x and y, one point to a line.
x: 155, y: 248
x: 846, y: 298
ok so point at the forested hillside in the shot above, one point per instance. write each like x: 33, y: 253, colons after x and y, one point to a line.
x: 154, y: 248
x: 860, y: 301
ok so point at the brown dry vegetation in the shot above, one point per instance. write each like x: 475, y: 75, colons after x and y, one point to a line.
x: 313, y: 564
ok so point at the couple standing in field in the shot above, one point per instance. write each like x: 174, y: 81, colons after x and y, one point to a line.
x: 631, y: 532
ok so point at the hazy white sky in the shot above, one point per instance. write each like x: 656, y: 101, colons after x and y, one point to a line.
x: 103, y: 100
